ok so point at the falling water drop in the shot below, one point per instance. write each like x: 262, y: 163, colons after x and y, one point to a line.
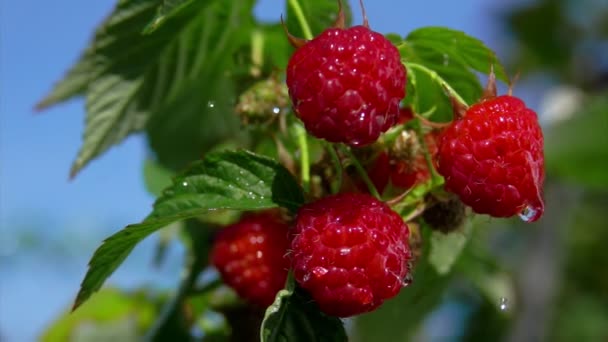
x: 504, y: 305
x: 530, y: 214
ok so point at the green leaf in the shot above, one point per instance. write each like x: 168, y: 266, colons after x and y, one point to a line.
x: 293, y: 318
x: 194, y: 86
x: 457, y: 45
x: 112, y: 313
x: 73, y: 84
x: 446, y: 248
x: 130, y: 79
x: 223, y: 180
x: 440, y: 59
x: 577, y: 149
x: 166, y: 9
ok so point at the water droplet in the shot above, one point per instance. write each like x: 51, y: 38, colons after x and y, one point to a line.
x: 504, y: 304
x: 407, y: 280
x: 184, y: 184
x: 211, y: 104
x: 530, y: 214
x: 319, y: 271
x: 251, y: 195
x: 446, y: 59
x: 276, y: 110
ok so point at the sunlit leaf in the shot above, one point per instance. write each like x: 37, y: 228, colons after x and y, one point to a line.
x: 223, y: 180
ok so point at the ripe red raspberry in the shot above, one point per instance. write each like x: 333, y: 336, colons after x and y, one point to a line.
x: 350, y: 252
x: 492, y: 157
x: 251, y: 256
x: 346, y: 85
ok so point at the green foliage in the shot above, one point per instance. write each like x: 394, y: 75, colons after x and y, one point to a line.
x: 133, y: 81
x: 446, y: 248
x: 292, y: 317
x: 112, y: 314
x: 165, y: 10
x: 223, y: 180
x: 440, y: 59
x: 577, y: 149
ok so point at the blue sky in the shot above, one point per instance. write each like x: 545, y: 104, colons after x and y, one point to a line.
x: 39, y: 41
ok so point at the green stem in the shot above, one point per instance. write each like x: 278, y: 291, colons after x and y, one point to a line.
x: 435, y: 177
x: 361, y: 171
x: 304, y: 157
x: 297, y: 9
x: 337, y: 165
x: 435, y: 77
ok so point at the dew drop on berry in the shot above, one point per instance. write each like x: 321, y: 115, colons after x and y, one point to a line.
x: 504, y: 304
x: 319, y: 271
x: 530, y: 214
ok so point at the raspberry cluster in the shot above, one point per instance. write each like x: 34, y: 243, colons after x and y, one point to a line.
x: 350, y: 251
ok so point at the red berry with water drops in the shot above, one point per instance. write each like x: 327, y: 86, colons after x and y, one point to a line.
x: 346, y: 84
x: 350, y: 252
x: 251, y: 256
x: 492, y: 158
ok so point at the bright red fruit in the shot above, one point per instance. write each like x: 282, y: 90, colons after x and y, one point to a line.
x: 492, y: 158
x: 346, y: 85
x: 350, y: 252
x: 251, y: 256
